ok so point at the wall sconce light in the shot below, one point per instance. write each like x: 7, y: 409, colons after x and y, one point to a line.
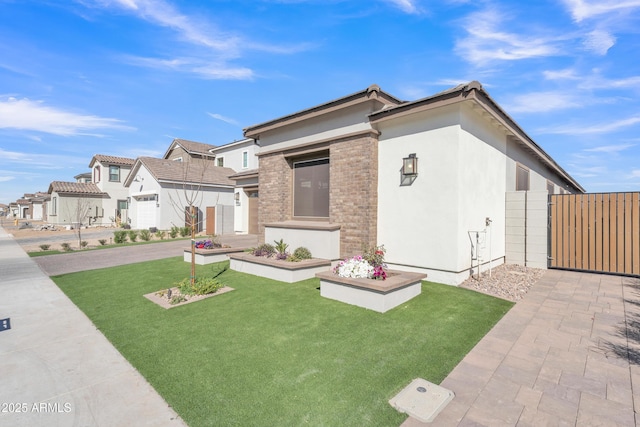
x: 237, y: 199
x: 409, y: 171
x: 410, y: 165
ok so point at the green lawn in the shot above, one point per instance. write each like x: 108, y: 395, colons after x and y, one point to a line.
x: 272, y: 353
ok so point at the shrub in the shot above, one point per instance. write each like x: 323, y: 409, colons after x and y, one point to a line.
x: 375, y: 255
x: 201, y: 286
x: 264, y: 249
x: 120, y: 236
x: 302, y: 253
x: 173, y: 233
x: 126, y: 226
x: 281, y: 246
x: 102, y: 242
x: 161, y: 235
x: 185, y: 231
x: 145, y: 235
x: 45, y: 247
x: 66, y: 247
x: 177, y: 299
x: 84, y: 244
x: 133, y: 235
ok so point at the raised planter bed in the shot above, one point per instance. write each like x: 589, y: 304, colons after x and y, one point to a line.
x: 377, y: 295
x: 283, y: 271
x: 211, y: 256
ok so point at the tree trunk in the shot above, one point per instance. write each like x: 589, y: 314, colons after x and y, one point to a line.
x: 193, y: 245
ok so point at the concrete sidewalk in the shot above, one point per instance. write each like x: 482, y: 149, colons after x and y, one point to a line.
x: 567, y: 354
x: 56, y: 369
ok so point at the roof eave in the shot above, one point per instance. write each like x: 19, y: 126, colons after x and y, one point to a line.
x: 373, y: 92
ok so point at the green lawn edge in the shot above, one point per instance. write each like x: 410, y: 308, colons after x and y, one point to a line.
x: 273, y: 353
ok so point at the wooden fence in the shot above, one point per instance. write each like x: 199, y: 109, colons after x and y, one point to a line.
x: 595, y: 232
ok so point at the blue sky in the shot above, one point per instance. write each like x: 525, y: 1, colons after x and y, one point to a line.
x: 125, y: 77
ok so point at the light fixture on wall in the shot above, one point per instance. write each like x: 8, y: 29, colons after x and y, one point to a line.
x: 410, y: 165
x: 409, y: 171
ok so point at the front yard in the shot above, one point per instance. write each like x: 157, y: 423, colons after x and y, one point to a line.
x: 273, y: 353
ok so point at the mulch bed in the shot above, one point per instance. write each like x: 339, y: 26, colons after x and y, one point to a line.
x: 163, y: 301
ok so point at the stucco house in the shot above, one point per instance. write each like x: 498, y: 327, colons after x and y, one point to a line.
x: 109, y: 174
x: 183, y: 150
x: 241, y: 157
x: 160, y: 190
x: 74, y: 203
x: 419, y: 177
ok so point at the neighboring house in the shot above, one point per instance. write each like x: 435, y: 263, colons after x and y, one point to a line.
x: 84, y: 177
x: 419, y: 177
x: 37, y: 206
x: 241, y: 157
x: 109, y: 174
x: 74, y: 203
x: 183, y: 150
x: 160, y: 191
x: 23, y: 208
x: 237, y: 155
x: 4, y: 209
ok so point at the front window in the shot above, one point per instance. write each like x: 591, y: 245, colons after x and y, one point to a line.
x: 311, y: 188
x: 96, y: 174
x: 114, y: 173
x: 54, y: 206
x: 245, y: 159
x: 221, y: 161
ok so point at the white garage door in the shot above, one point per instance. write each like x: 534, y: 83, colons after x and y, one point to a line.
x: 146, y: 212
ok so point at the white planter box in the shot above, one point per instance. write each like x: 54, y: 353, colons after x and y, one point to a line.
x: 210, y: 256
x: 377, y: 295
x: 283, y: 271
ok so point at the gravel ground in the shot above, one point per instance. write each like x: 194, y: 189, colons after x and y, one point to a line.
x: 507, y: 281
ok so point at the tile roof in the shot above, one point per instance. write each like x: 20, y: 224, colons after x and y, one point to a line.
x: 74, y: 188
x: 112, y: 160
x: 193, y: 146
x: 190, y: 172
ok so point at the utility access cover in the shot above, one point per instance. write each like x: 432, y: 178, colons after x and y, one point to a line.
x: 422, y: 400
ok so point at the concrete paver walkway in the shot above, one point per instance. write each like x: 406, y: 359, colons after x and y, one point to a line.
x: 56, y: 369
x: 567, y: 354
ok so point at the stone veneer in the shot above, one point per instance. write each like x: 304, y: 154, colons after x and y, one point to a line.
x: 353, y: 165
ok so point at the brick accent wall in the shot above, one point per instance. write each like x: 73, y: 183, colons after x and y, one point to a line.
x: 354, y: 192
x: 353, y: 165
x: 275, y: 186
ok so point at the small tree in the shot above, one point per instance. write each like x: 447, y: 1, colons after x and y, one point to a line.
x: 187, y: 199
x: 80, y: 213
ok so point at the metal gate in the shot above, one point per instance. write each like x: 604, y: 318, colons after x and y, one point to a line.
x: 597, y: 232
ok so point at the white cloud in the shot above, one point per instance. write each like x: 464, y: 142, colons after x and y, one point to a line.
x: 566, y: 74
x: 212, y: 71
x: 25, y: 114
x: 164, y: 14
x: 407, y: 6
x: 634, y: 174
x: 586, y: 9
x: 599, y: 41
x: 610, y: 148
x: 543, y: 102
x: 593, y: 129
x: 486, y: 41
x: 224, y: 119
x: 7, y: 178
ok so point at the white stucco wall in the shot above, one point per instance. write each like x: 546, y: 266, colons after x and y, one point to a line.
x: 425, y: 226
